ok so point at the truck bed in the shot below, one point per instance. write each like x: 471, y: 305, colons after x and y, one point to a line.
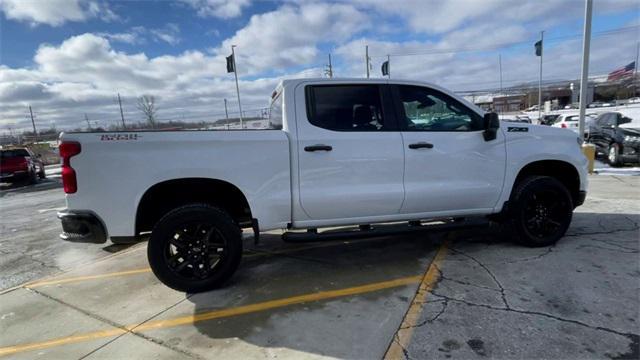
x: 115, y: 169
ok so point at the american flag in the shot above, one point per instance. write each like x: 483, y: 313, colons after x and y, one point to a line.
x: 622, y: 72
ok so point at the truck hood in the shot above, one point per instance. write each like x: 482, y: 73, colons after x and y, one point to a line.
x: 630, y: 131
x: 512, y: 130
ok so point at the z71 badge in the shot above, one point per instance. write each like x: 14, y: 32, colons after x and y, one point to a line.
x: 119, y: 137
x: 517, y: 129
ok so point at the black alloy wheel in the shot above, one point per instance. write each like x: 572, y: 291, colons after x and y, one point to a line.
x: 541, y: 209
x: 195, y: 248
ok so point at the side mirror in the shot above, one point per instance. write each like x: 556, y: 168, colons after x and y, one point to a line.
x: 491, y: 126
x: 624, y: 120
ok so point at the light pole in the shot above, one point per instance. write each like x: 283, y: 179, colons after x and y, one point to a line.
x: 584, y: 80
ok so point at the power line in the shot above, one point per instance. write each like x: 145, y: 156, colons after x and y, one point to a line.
x: 510, y: 44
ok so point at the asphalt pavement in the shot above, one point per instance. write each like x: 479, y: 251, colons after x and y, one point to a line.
x: 460, y: 295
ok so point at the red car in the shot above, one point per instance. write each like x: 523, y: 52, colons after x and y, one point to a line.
x: 20, y: 164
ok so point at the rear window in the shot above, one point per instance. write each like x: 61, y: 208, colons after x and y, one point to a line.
x: 275, y: 113
x: 345, y: 107
x: 7, y: 154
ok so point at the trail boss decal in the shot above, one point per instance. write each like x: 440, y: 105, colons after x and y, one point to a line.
x: 517, y: 129
x: 119, y: 137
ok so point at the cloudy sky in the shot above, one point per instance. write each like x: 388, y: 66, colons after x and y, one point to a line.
x: 68, y: 58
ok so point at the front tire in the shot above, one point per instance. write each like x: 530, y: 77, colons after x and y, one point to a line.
x: 613, y: 155
x: 195, y: 248
x: 541, y: 209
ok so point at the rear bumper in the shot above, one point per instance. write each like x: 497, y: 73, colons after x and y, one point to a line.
x: 82, y: 227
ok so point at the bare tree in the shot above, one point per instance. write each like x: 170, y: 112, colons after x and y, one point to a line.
x: 147, y: 104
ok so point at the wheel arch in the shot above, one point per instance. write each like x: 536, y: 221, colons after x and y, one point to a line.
x: 563, y: 171
x: 164, y: 196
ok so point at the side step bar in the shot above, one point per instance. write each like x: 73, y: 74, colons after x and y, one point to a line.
x: 384, y: 229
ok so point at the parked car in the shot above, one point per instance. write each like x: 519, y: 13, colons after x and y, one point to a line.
x: 617, y: 137
x: 340, y: 152
x: 20, y: 164
x: 571, y: 122
x: 599, y: 104
x: 548, y: 119
x: 517, y: 118
x: 635, y: 100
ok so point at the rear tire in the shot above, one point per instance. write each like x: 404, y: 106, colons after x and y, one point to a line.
x: 540, y: 210
x: 195, y: 248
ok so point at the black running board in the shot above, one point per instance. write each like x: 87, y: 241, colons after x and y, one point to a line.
x: 384, y: 230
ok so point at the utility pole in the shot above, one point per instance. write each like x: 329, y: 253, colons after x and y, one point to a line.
x: 635, y: 72
x: 500, y: 65
x: 584, y: 81
x: 33, y: 122
x: 366, y: 55
x: 86, y: 118
x: 121, y: 113
x: 388, y: 66
x: 226, y: 113
x: 235, y: 73
x: 540, y: 78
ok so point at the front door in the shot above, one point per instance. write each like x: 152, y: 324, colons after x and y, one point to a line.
x: 350, y: 158
x: 449, y: 167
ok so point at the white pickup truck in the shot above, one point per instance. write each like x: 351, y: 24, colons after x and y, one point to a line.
x: 340, y: 152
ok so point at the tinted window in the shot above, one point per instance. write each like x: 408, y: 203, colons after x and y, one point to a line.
x: 426, y: 109
x: 275, y: 113
x: 6, y: 154
x: 345, y: 107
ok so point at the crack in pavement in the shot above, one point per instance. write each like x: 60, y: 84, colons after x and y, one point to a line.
x: 610, y: 249
x: 548, y: 251
x: 495, y: 280
x: 116, y: 325
x: 632, y: 337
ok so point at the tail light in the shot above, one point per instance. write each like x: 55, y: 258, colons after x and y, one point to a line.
x: 563, y: 125
x: 67, y: 151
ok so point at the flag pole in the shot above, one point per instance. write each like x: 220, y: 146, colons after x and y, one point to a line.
x: 584, y: 81
x: 235, y: 73
x: 540, y: 77
x: 500, y: 65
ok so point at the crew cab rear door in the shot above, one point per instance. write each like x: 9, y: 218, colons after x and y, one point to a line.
x: 350, y: 153
x: 449, y: 167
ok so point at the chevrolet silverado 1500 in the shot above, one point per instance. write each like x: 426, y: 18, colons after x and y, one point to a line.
x: 339, y: 152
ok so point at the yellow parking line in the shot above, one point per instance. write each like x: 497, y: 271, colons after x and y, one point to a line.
x: 404, y: 334
x: 264, y: 253
x: 84, y: 278
x: 216, y: 314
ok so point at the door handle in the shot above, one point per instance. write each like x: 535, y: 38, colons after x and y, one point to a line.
x: 319, y: 147
x: 421, y: 145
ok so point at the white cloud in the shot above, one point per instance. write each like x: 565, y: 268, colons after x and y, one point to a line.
x: 289, y: 35
x: 169, y: 34
x: 436, y: 17
x: 224, y: 9
x: 55, y: 12
x: 84, y: 73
